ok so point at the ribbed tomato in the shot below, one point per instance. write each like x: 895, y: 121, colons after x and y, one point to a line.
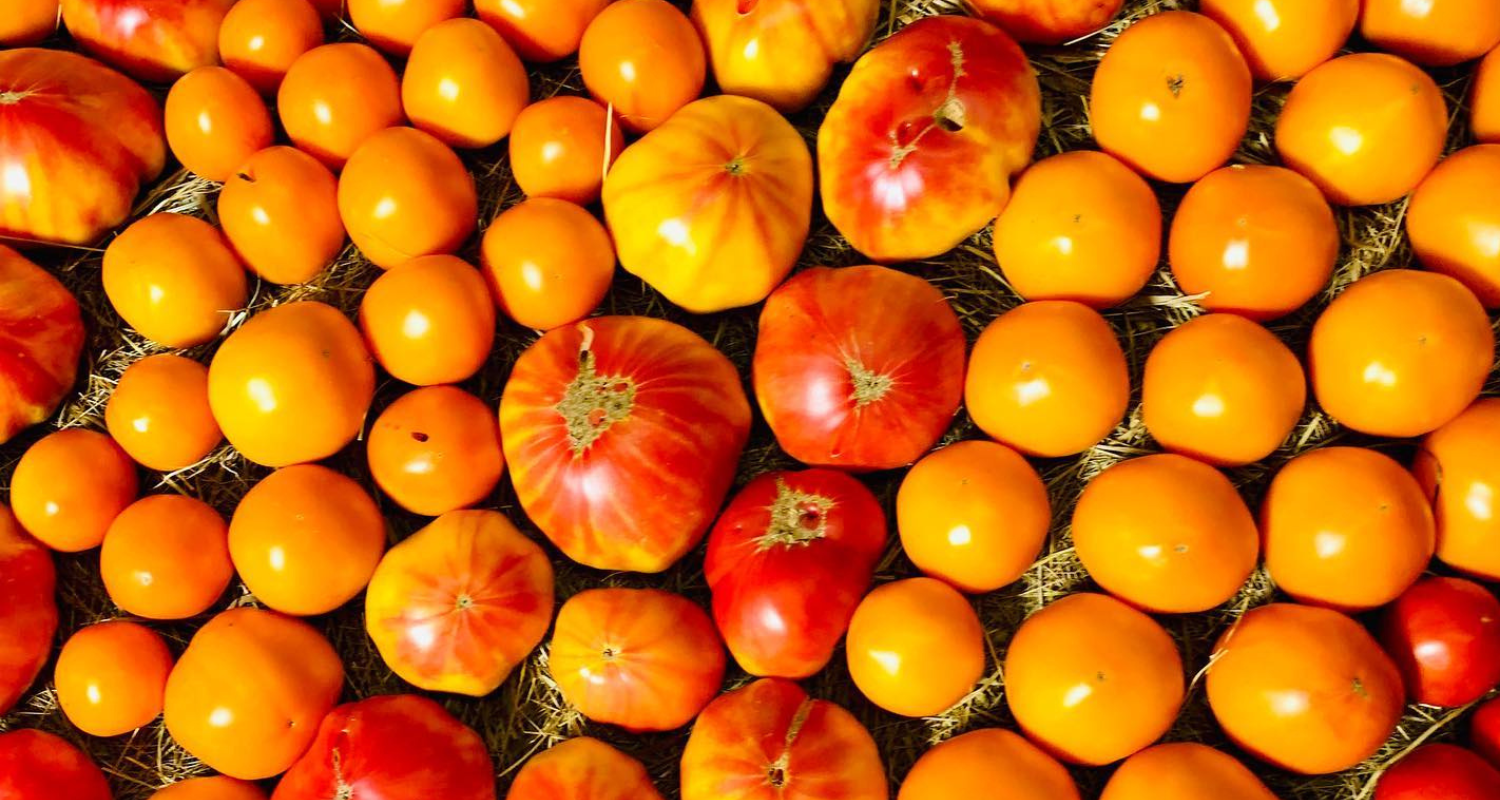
x: 1048, y: 21
x: 35, y: 765
x: 582, y: 769
x: 153, y: 40
x: 41, y: 337
x: 28, y: 609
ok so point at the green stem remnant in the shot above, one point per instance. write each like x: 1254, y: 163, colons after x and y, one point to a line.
x: 593, y: 403
x: 797, y: 517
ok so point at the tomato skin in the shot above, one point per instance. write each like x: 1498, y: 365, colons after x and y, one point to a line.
x: 28, y: 612
x: 151, y: 40
x: 166, y: 557
x: 261, y: 39
x: 429, y: 320
x: 788, y: 561
x: 1456, y: 468
x: 582, y: 769
x: 216, y: 787
x: 395, y: 26
x: 1452, y: 214
x: 159, y: 414
x: 1439, y: 772
x: 898, y: 185
x: 1444, y: 635
x: 436, y: 449
x: 69, y: 486
x: 540, y: 30
x: 41, y: 338
x: 663, y: 51
x: 576, y: 468
x: 492, y: 86
x: 280, y: 212
x: 1285, y: 39
x: 336, y: 96
x: 548, y: 262
x: 36, y: 765
x: 1184, y: 771
x: 1438, y: 34
x: 975, y: 763
x: 30, y: 22
x: 1484, y: 100
x: 215, y: 121
x: 1484, y: 731
x: 561, y: 147
x: 1049, y: 22
x: 915, y: 647
x: 403, y: 195
x: 111, y: 676
x: 173, y: 279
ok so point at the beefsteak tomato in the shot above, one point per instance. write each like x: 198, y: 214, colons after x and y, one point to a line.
x: 35, y: 765
x: 1439, y: 772
x: 41, y: 337
x: 1047, y: 21
x: 28, y: 609
x: 152, y: 40
x: 582, y: 769
x: 1444, y: 634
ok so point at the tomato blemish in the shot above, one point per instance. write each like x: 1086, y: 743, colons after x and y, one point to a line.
x: 797, y: 518
x: 593, y: 403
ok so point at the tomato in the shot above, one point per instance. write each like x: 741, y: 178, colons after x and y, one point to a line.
x: 404, y: 195
x: 540, y: 30
x: 769, y: 741
x: 166, y: 557
x: 463, y: 84
x: 393, y: 747
x: 917, y: 152
x: 111, y: 677
x: 582, y: 769
x: 548, y: 262
x: 280, y: 213
x: 1457, y: 471
x: 973, y: 514
x: 28, y: 609
x: 915, y: 647
x: 978, y: 763
x: 292, y: 384
x: 305, y: 539
x: 1080, y: 226
x: 336, y: 96
x: 41, y: 338
x: 173, y: 279
x: 858, y: 367
x: 216, y: 787
x: 1284, y: 39
x: 562, y: 146
x: 77, y: 141
x: 782, y: 52
x: 395, y: 26
x: 151, y: 40
x: 436, y: 449
x: 457, y: 605
x: 215, y: 121
x: 589, y: 404
x: 1444, y: 634
x: 1048, y: 378
x: 1256, y: 241
x: 644, y: 59
x: 1484, y: 99
x: 247, y: 695
x: 1439, y: 771
x: 36, y: 765
x: 1453, y: 218
x: 1484, y: 731
x: 69, y: 486
x: 1439, y: 33
x: 1184, y: 771
x: 1222, y: 389
x: 1400, y: 353
x: 429, y: 320
x: 30, y: 22
x: 159, y: 414
x: 261, y: 39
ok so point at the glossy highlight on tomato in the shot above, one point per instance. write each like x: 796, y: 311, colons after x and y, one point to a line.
x: 429, y: 320
x: 643, y: 59
x: 261, y: 39
x: 548, y: 262
x: 336, y: 96
x: 173, y: 279
x: 1453, y: 220
x: 1458, y: 473
x: 151, y: 40
x: 166, y: 556
x: 562, y: 146
x: 1285, y: 39
x: 111, y: 677
x: 1444, y: 634
x: 159, y: 413
x: 915, y: 647
x: 403, y: 195
x: 436, y: 449
x: 463, y: 84
x: 540, y: 30
x: 215, y: 121
x: 70, y: 486
x: 280, y: 213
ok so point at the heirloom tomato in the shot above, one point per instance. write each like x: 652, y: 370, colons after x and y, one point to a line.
x: 403, y: 195
x: 463, y: 84
x: 159, y: 414
x: 28, y: 609
x: 173, y: 279
x: 152, y: 40
x: 111, y: 677
x: 1453, y: 221
x: 582, y: 769
x: 623, y: 435
x: 36, y: 765
x: 1051, y: 22
x: 1444, y: 634
x: 429, y: 320
x: 41, y: 338
x: 562, y: 146
x: 788, y: 561
x: 1439, y: 771
x: 436, y: 449
x: 1284, y: 39
x: 1459, y: 474
x: 979, y: 763
x: 644, y: 59
x: 395, y: 26
x: 712, y: 208
x: 770, y: 741
x: 261, y: 39
x: 29, y: 22
x: 1484, y: 99
x: 540, y: 30
x: 1433, y: 33
x: 1184, y: 771
x: 915, y: 647
x: 215, y: 787
x: 917, y: 152
x: 69, y: 486
x: 547, y: 262
x: 280, y: 212
x: 858, y: 368
x: 215, y: 121
x: 166, y: 557
x: 336, y: 96
x: 1484, y: 731
x: 457, y: 605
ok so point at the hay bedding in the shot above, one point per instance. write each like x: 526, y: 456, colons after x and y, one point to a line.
x: 527, y: 714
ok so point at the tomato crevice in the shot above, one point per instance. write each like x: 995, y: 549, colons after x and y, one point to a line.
x: 776, y: 774
x: 869, y: 386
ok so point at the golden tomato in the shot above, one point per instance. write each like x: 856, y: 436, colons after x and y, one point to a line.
x: 1458, y: 471
x: 336, y: 96
x: 582, y: 769
x: 280, y: 213
x: 429, y: 320
x: 1184, y: 771
x: 1284, y: 39
x: 540, y: 30
x: 216, y: 787
x: 166, y: 557
x: 979, y: 763
x: 403, y: 195
x: 395, y: 26
x: 173, y: 279
x: 463, y: 84
x: 69, y: 486
x: 561, y: 147
x: 1051, y: 22
x: 644, y: 59
x: 159, y: 414
x: 436, y: 449
x: 261, y: 39
x: 29, y: 22
x: 1433, y: 33
x: 1484, y: 99
x: 915, y: 647
x: 1453, y: 221
x: 111, y: 677
x: 548, y: 262
x: 215, y: 121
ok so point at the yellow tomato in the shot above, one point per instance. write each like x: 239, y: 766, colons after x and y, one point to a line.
x: 429, y: 321
x: 173, y: 279
x: 548, y: 262
x: 915, y: 647
x: 159, y: 413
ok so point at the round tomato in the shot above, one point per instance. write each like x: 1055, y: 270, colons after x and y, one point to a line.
x: 1256, y: 241
x: 1453, y: 218
x: 457, y: 605
x: 166, y: 557
x: 562, y: 146
x: 216, y: 787
x: 1051, y: 22
x: 35, y: 765
x: 1435, y: 33
x: 548, y: 262
x: 436, y: 449
x: 111, y: 677
x: 915, y: 647
x: 1184, y: 771
x: 280, y: 213
x: 395, y: 26
x: 588, y: 404
x: 541, y: 30
x: 582, y: 769
x: 173, y: 279
x: 1484, y: 731
x: 1284, y: 39
x: 41, y: 337
x: 305, y: 539
x: 336, y: 96
x: 1484, y: 99
x: 30, y: 22
x: 644, y: 59
x: 1457, y: 470
x: 261, y: 39
x: 1444, y: 634
x: 429, y: 320
x: 69, y: 486
x: 978, y: 763
x: 29, y: 611
x: 159, y: 414
x: 463, y: 84
x: 1400, y: 353
x: 152, y: 40
x: 1441, y: 771
x: 1048, y: 378
x: 404, y: 195
x: 215, y: 121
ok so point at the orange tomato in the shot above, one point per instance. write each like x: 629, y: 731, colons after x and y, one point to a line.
x: 336, y: 96
x: 976, y: 763
x: 1400, y: 352
x: 1092, y: 680
x: 214, y: 121
x: 69, y: 486
x: 1366, y: 128
x: 1453, y: 221
x: 429, y: 320
x: 561, y: 147
x: 1346, y: 528
x: 247, y: 695
x: 1436, y: 33
x: 1484, y: 99
x: 973, y: 514
x: 1171, y: 97
x: 403, y: 195
x: 1458, y: 472
x: 548, y: 262
x: 915, y: 647
x: 111, y: 677
x: 1184, y: 771
x: 29, y: 22
x: 292, y: 384
x: 463, y: 84
x: 395, y: 26
x: 306, y: 539
x: 1165, y: 533
x: 1222, y: 389
x: 1080, y: 226
x: 261, y: 39
x: 1284, y: 39
x: 1256, y: 241
x: 540, y: 30
x: 582, y: 769
x: 173, y: 279
x: 166, y: 557
x: 1305, y: 689
x: 216, y: 787
x: 280, y: 213
x: 644, y: 59
x: 436, y: 449
x: 159, y: 414
x: 1048, y: 378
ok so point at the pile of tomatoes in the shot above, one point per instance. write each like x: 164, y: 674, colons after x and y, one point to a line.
x: 623, y: 436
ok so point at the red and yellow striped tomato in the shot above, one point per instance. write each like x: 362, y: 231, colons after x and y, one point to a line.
x: 153, y: 40
x: 582, y: 769
x: 41, y: 337
x: 29, y: 614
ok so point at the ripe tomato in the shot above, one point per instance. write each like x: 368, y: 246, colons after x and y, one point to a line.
x: 152, y: 40
x: 548, y: 262
x: 159, y: 414
x: 769, y: 741
x: 292, y: 384
x: 588, y: 403
x: 436, y: 449
x: 1433, y: 34
x: 1457, y: 470
x: 69, y: 486
x: 247, y: 695
x: 644, y: 59
x: 562, y: 146
x: 166, y: 557
x: 216, y: 787
x: 1184, y: 771
x: 1439, y: 771
x: 1051, y: 22
x: 1444, y: 634
x: 978, y: 762
x: 336, y: 96
x: 280, y: 213
x: 305, y: 539
x: 457, y: 605
x: 29, y: 611
x: 395, y: 26
x: 1484, y: 731
x: 582, y: 769
x: 429, y: 320
x: 173, y: 279
x: 35, y: 765
x: 111, y: 677
x: 41, y: 337
x: 1171, y: 97
x: 1080, y: 226
x: 1256, y: 241
x: 215, y: 121
x: 1222, y: 389
x: 1284, y: 39
x: 1048, y: 378
x: 463, y: 84
x: 540, y: 30
x: 30, y: 22
x: 1400, y: 353
x: 1452, y: 219
x: 973, y: 514
x: 404, y: 195
x: 1484, y: 99
x: 915, y: 647
x: 858, y: 367
x: 261, y: 39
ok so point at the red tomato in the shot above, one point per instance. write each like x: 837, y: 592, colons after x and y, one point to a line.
x: 978, y: 762
x: 336, y: 96
x: 1484, y: 99
x: 1453, y: 220
x: 915, y: 647
x: 1433, y: 33
x: 216, y: 787
x: 540, y: 30
x: 588, y: 403
x: 788, y: 561
x: 173, y: 279
x: 166, y: 557
x: 215, y: 122
x: 1444, y: 634
x: 562, y: 146
x: 429, y: 320
x: 547, y: 262
x: 1184, y: 771
x: 1048, y: 21
x: 41, y: 337
x: 436, y: 449
x: 29, y: 22
x: 644, y: 59
x: 28, y: 609
x: 159, y: 414
x: 1458, y: 471
x: 395, y: 25
x: 1484, y: 731
x: 1284, y: 39
x: 404, y: 195
x: 111, y: 677
x: 1439, y: 772
x: 261, y: 39
x: 463, y: 84
x: 582, y: 769
x: 152, y: 40
x: 69, y: 486
x: 280, y: 213
x: 35, y: 765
